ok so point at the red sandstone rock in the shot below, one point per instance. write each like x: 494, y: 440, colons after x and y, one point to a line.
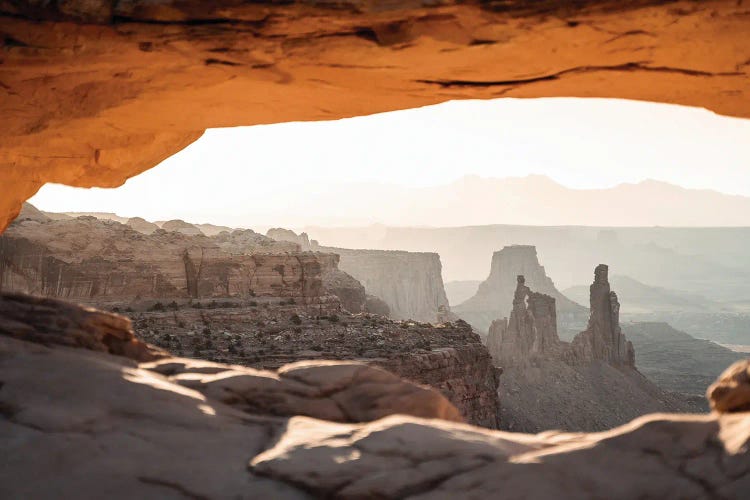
x: 731, y: 392
x: 98, y: 425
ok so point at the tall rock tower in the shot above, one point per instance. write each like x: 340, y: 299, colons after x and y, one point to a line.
x: 530, y: 332
x: 603, y: 339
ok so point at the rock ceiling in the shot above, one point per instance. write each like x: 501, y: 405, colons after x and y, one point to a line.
x: 93, y: 92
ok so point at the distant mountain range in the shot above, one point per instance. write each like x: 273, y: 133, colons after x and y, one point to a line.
x: 532, y: 200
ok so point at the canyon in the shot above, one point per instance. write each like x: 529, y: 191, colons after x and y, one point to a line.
x: 244, y: 298
x: 588, y: 384
x: 95, y: 92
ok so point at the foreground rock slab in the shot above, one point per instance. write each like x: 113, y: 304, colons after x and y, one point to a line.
x: 76, y: 422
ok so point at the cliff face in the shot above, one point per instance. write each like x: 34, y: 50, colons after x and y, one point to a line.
x: 591, y: 382
x: 408, y: 284
x: 448, y: 357
x: 495, y: 295
x: 86, y: 259
x: 411, y: 283
x: 350, y: 292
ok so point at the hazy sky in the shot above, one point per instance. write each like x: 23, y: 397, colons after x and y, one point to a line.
x: 255, y: 176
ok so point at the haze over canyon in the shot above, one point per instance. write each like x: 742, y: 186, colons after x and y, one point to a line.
x: 375, y: 250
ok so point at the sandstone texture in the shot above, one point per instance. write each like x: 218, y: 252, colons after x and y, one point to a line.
x: 269, y: 333
x: 731, y: 392
x: 495, y: 296
x: 94, y: 92
x: 97, y: 424
x: 96, y: 261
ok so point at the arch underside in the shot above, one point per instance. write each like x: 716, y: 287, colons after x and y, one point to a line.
x: 93, y: 93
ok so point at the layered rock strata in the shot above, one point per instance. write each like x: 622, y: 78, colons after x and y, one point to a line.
x: 495, y: 295
x: 87, y: 422
x: 410, y: 283
x: 95, y: 261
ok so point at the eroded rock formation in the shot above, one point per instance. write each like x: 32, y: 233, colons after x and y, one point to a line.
x: 495, y: 296
x: 410, y: 284
x: 180, y: 226
x: 530, y: 332
x: 141, y: 225
x: 94, y: 92
x: 603, y: 339
x: 95, y: 261
x: 87, y: 422
x: 302, y: 239
x: 588, y: 384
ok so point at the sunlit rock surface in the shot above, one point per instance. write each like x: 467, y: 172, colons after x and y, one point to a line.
x: 101, y: 424
x: 94, y: 92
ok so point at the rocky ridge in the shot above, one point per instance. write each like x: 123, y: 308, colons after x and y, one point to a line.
x: 268, y: 333
x: 95, y: 413
x: 102, y: 261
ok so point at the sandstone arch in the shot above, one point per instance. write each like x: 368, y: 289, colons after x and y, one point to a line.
x: 95, y: 91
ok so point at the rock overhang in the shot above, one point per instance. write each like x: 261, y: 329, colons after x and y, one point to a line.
x: 95, y: 92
